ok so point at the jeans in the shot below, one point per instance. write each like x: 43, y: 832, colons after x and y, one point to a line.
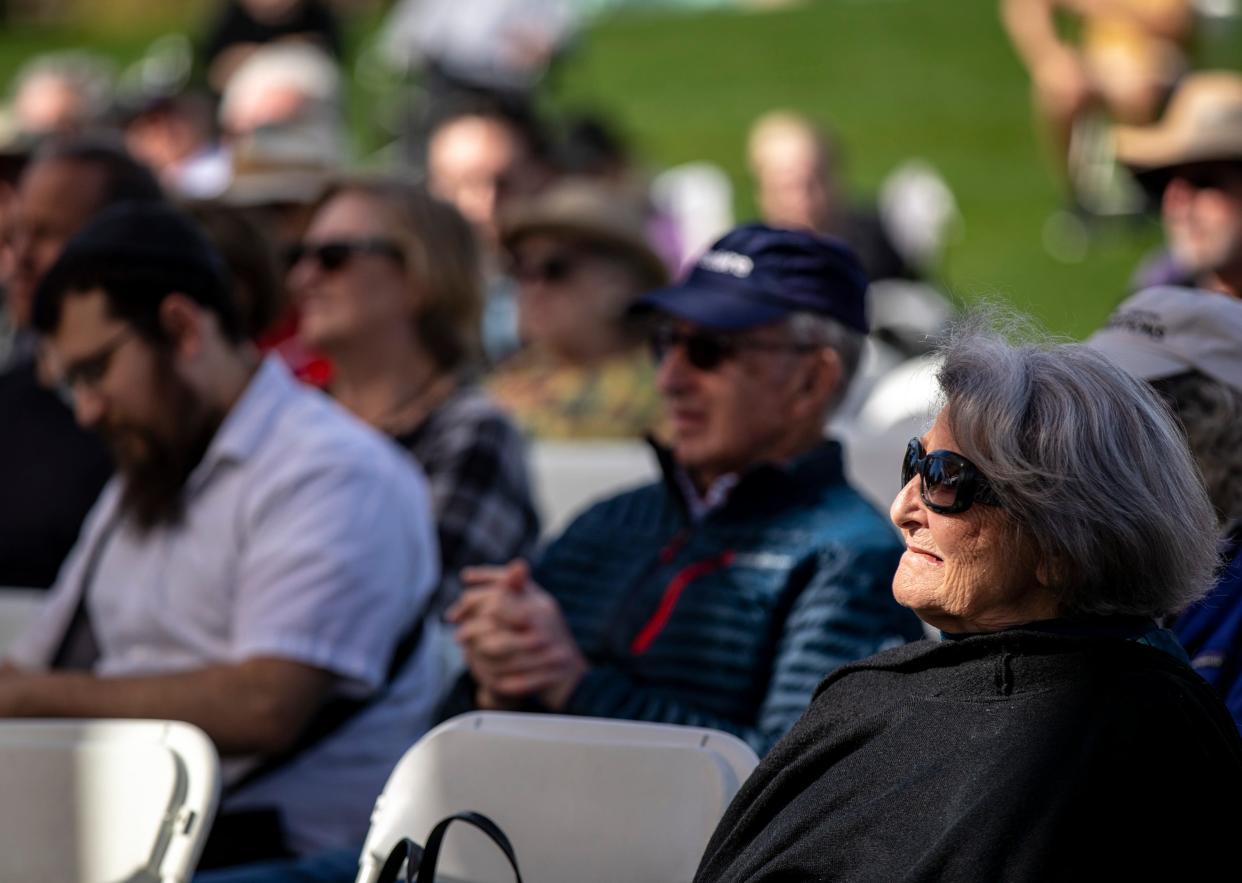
x: 337, y: 866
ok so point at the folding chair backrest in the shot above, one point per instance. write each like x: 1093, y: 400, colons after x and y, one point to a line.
x: 570, y: 475
x: 104, y: 801
x: 580, y: 799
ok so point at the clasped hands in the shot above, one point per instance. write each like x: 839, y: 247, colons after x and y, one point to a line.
x: 515, y: 639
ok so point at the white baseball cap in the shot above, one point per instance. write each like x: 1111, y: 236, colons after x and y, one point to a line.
x: 1164, y: 331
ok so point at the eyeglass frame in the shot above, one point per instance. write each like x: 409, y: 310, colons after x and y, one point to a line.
x: 725, y: 346
x: 89, y: 371
x: 1207, y: 174
x: 972, y: 487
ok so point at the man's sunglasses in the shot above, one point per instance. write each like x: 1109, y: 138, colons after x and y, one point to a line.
x: 335, y: 254
x: 948, y: 482
x: 1209, y: 175
x: 707, y: 351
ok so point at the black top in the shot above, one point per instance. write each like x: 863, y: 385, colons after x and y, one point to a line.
x: 235, y: 25
x: 51, y: 471
x: 1013, y: 756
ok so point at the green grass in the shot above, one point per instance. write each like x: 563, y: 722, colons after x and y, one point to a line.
x: 895, y: 78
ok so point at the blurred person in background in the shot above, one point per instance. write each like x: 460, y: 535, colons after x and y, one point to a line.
x: 13, y: 160
x: 64, y: 185
x: 1192, y: 160
x: 482, y: 156
x: 281, y: 84
x: 239, y: 27
x: 260, y: 566
x: 51, y: 469
x: 1127, y: 57
x: 59, y: 94
x: 500, y: 46
x: 1051, y: 516
x: 580, y: 256
x: 389, y: 286
x: 1188, y: 345
x: 176, y: 136
x: 798, y: 185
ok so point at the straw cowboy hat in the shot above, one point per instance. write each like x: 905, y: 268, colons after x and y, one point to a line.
x: 1203, y: 123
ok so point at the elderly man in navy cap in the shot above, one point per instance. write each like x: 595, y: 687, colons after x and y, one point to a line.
x: 720, y: 596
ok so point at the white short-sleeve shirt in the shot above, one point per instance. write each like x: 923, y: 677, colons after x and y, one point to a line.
x: 306, y: 536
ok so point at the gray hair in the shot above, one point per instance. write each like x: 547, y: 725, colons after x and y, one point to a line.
x: 816, y: 329
x: 1211, y: 414
x: 1089, y: 464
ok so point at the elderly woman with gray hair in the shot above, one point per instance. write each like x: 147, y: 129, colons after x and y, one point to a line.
x: 1051, y: 515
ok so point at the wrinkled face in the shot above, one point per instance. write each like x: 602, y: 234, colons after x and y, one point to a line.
x: 156, y: 425
x: 793, y: 186
x: 55, y: 199
x: 966, y: 572
x: 744, y: 411
x: 565, y: 289
x: 478, y: 164
x: 368, y: 294
x: 1202, y: 210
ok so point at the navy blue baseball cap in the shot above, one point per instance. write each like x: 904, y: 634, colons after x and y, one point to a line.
x: 757, y: 274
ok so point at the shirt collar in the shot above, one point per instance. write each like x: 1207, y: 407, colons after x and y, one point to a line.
x: 763, y: 484
x: 248, y: 421
x: 700, y: 505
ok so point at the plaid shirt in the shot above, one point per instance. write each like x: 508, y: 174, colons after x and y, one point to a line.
x: 475, y: 461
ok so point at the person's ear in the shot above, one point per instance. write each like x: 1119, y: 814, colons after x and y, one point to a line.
x: 182, y: 322
x: 818, y: 380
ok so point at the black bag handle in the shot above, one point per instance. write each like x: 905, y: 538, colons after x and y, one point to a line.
x: 420, y: 862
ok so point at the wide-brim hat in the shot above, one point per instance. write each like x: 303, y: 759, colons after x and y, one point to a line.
x: 292, y: 163
x: 584, y: 211
x: 1203, y: 123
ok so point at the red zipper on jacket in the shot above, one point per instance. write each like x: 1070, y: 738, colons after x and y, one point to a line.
x: 688, y: 574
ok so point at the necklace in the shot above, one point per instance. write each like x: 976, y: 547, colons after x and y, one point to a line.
x: 412, y: 407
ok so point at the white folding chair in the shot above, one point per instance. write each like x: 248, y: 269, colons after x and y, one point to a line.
x: 568, y: 476
x: 114, y: 801
x: 579, y: 798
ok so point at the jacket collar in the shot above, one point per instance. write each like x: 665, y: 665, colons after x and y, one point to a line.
x: 766, y: 486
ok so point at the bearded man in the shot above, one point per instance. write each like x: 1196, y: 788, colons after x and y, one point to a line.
x: 259, y: 567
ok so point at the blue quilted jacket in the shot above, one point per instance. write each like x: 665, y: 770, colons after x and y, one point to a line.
x: 730, y: 622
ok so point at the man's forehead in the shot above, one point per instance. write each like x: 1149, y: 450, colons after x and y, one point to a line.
x: 85, y: 318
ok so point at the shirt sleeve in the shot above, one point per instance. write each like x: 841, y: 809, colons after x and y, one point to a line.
x: 340, y: 562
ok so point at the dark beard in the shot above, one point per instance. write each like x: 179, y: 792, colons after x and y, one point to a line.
x: 155, y: 474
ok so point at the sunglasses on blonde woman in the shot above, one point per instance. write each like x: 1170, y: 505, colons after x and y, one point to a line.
x: 948, y: 482
x: 334, y: 255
